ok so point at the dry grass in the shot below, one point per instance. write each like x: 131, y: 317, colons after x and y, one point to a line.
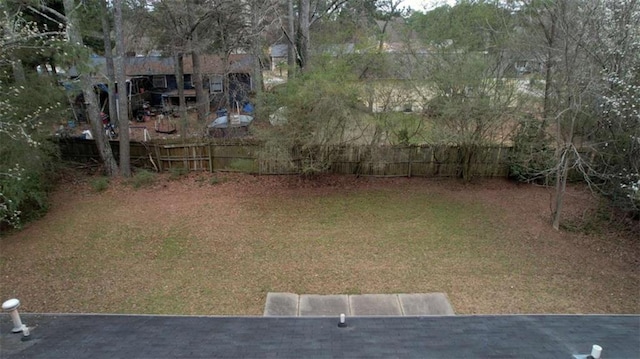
x: 217, y: 245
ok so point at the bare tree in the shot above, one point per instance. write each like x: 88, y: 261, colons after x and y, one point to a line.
x: 291, y: 49
x: 166, y: 24
x: 299, y: 37
x: 108, y: 54
x: 568, y: 85
x: 304, y: 41
x: 390, y: 10
x: 91, y: 102
x: 263, y: 16
x: 123, y: 101
x: 578, y: 66
x: 202, y: 97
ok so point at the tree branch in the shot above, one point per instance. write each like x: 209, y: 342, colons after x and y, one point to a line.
x: 53, y: 12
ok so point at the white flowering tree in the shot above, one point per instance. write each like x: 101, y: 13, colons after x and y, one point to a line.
x: 622, y: 118
x: 25, y: 106
x: 23, y: 153
x: 590, y: 51
x: 617, y: 44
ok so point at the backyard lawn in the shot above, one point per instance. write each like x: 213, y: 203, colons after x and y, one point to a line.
x: 217, y: 244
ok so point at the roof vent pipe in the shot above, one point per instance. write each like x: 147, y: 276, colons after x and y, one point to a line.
x: 342, y: 323
x: 25, y: 334
x: 596, y: 352
x: 11, y: 306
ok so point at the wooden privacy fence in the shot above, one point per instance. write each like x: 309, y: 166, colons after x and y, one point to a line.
x: 420, y: 161
x: 424, y: 161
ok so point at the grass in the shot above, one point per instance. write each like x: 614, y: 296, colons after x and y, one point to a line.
x: 220, y: 249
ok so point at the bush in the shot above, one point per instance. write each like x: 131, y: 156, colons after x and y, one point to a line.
x: 100, y: 184
x: 531, y: 158
x: 143, y: 178
x: 177, y: 172
x: 27, y: 160
x: 23, y: 195
x: 317, y: 109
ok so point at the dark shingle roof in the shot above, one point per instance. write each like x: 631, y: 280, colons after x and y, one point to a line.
x: 278, y: 50
x: 211, y: 64
x: 509, y: 336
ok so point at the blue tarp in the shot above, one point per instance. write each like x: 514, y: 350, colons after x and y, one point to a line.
x: 222, y: 122
x: 248, y: 108
x: 103, y: 87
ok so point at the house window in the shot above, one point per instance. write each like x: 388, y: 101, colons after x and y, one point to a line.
x: 187, y: 82
x: 160, y: 81
x: 215, y: 83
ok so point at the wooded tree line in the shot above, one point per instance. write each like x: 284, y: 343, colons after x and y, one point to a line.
x: 557, y: 79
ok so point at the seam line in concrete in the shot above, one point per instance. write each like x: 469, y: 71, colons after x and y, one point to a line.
x: 349, y: 306
x: 400, y: 304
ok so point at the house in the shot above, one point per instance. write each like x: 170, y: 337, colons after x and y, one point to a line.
x: 220, y: 78
x: 278, y: 56
x: 154, y: 78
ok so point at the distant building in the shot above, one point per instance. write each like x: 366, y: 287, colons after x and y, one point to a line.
x: 278, y: 55
x: 232, y: 78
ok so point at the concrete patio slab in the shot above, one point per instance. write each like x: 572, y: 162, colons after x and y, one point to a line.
x: 375, y: 305
x: 281, y: 305
x: 425, y: 304
x: 323, y: 305
x: 314, y: 305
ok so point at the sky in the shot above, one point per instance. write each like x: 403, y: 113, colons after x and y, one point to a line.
x: 427, y: 5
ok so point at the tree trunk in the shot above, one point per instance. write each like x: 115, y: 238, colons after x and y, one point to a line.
x: 256, y: 51
x: 123, y: 105
x: 548, y: 68
x: 16, y: 64
x: 108, y: 54
x: 226, y: 84
x: 257, y: 81
x: 202, y: 99
x: 291, y: 50
x: 561, y: 187
x: 304, y: 40
x: 91, y: 102
x: 182, y: 109
x: 18, y: 72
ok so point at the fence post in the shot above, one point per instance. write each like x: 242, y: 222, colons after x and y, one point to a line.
x: 498, y: 161
x: 210, y: 157
x: 411, y: 148
x: 156, y: 149
x: 185, y: 161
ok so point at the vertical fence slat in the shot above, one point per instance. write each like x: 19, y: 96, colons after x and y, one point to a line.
x: 210, y: 156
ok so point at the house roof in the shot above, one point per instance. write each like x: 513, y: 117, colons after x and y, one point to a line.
x: 211, y: 64
x: 278, y: 50
x: 145, y: 336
